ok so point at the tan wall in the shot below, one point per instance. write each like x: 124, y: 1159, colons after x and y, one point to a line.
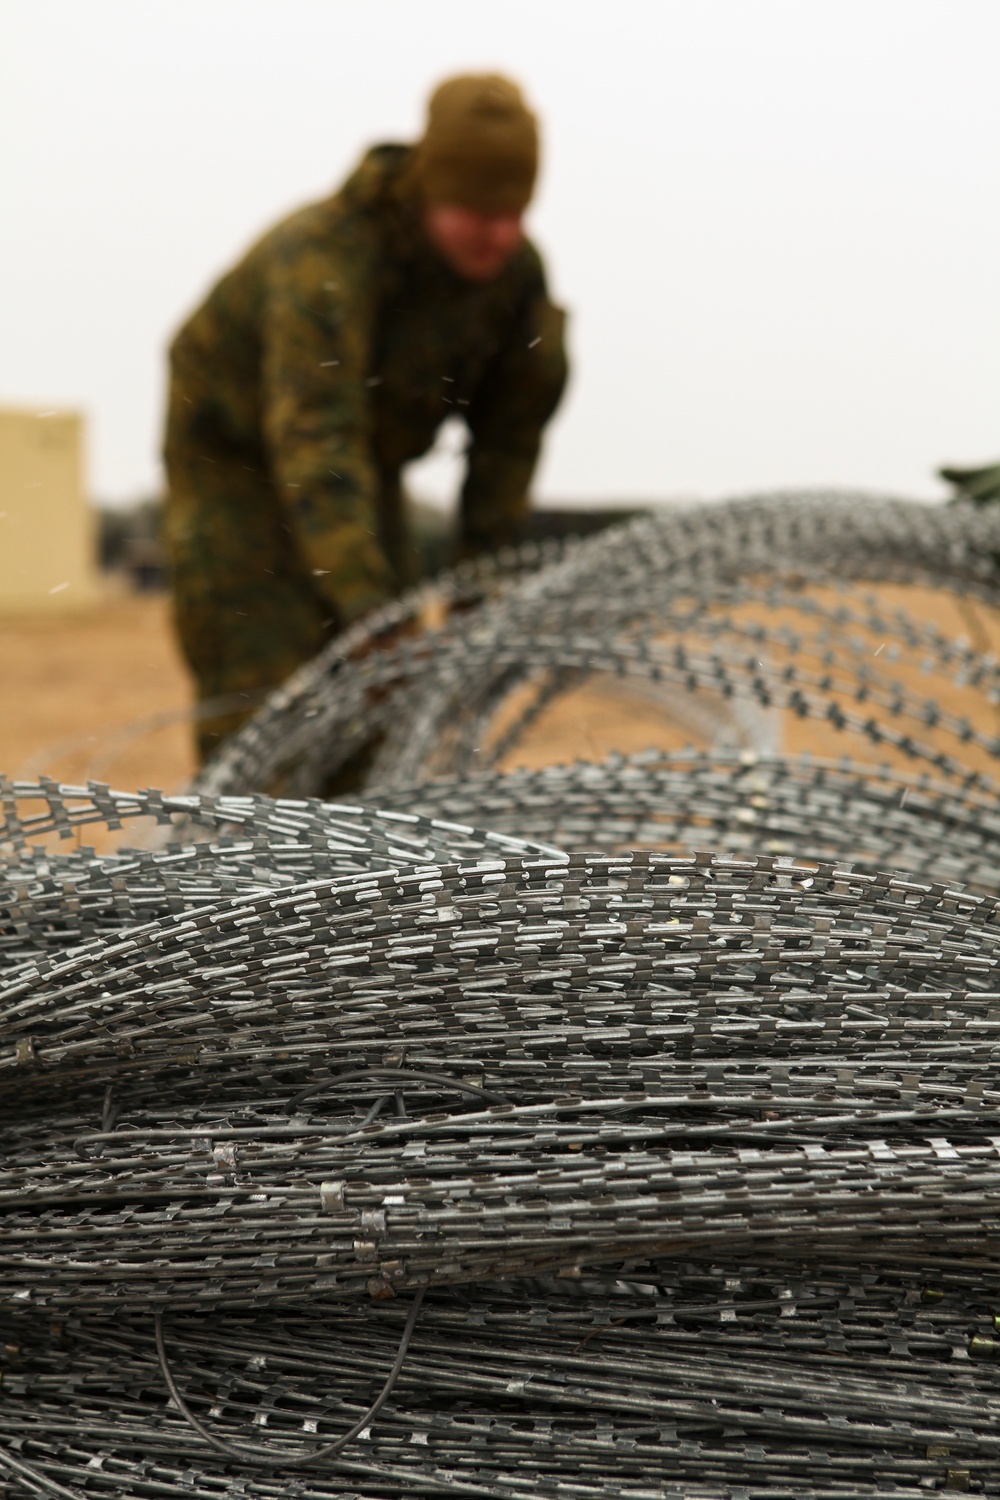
x: 47, y: 536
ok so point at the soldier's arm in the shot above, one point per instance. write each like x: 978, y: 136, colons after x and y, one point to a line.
x: 317, y: 356
x: 506, y: 418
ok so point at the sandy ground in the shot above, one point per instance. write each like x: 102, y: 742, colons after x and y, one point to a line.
x: 102, y: 694
x: 98, y: 694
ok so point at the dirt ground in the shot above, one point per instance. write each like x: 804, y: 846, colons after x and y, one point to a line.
x: 100, y: 694
x: 103, y: 694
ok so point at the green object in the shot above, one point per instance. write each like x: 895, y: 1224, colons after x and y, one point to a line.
x: 312, y: 372
x: 480, y: 148
x: 979, y: 485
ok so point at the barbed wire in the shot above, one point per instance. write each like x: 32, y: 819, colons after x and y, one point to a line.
x: 663, y: 1087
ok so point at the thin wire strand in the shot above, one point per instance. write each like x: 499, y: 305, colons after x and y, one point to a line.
x: 407, y: 1075
x: 292, y: 1460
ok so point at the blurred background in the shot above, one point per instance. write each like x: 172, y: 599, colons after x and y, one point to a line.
x: 776, y: 227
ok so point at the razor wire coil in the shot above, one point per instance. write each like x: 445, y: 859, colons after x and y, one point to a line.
x: 667, y: 1081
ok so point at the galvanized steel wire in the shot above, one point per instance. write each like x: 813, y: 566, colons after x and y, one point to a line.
x: 668, y: 1083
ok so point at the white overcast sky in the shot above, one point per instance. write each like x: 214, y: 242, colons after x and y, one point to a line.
x: 776, y: 223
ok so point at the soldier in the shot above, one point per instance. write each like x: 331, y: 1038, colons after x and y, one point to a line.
x: 326, y: 360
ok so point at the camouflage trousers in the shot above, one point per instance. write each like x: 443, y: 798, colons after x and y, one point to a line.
x: 246, y: 610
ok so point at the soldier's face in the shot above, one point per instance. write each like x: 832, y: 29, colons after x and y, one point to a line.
x: 476, y: 245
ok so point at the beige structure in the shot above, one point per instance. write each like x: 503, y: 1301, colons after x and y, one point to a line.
x: 47, y: 541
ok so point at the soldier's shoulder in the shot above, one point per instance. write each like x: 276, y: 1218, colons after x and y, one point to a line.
x: 354, y: 213
x: 321, y: 225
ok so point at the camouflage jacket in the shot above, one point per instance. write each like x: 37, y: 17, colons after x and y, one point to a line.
x: 331, y: 354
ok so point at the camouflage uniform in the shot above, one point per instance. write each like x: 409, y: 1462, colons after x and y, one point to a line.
x: 982, y: 486
x: 312, y: 372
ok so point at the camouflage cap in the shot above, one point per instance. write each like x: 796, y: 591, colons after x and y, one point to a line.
x: 480, y: 148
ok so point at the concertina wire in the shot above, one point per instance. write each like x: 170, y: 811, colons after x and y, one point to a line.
x: 622, y: 1128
